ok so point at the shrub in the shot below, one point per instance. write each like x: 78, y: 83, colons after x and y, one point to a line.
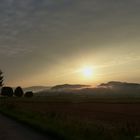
x: 28, y: 94
x: 18, y: 92
x: 7, y: 91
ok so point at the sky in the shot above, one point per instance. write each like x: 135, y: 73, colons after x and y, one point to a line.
x: 46, y: 42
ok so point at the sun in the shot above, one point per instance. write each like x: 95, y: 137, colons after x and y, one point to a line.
x: 87, y: 72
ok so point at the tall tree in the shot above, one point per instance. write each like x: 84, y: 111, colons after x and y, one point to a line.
x: 1, y: 78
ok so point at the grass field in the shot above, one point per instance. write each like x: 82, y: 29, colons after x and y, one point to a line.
x: 78, y: 118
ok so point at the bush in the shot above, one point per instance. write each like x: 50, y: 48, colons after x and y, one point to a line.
x: 28, y: 94
x: 7, y: 91
x: 18, y: 92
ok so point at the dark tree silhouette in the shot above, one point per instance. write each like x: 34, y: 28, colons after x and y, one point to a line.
x: 1, y: 78
x: 7, y: 91
x: 28, y: 94
x: 18, y: 92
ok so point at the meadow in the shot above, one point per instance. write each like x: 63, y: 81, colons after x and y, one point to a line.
x: 78, y: 118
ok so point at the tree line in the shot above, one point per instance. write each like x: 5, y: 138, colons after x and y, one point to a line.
x: 9, y: 92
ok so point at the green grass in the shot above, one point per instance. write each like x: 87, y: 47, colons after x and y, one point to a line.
x: 67, y: 127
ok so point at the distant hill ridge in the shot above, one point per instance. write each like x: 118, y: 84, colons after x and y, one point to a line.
x: 109, y: 89
x: 69, y: 86
x: 114, y: 84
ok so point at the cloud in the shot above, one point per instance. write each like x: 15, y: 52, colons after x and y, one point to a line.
x: 14, y: 51
x: 46, y: 32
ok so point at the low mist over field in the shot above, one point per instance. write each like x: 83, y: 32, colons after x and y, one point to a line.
x: 110, y: 89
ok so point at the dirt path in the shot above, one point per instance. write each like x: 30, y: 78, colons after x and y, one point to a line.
x: 12, y: 130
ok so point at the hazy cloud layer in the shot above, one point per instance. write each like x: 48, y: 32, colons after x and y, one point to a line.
x: 43, y: 32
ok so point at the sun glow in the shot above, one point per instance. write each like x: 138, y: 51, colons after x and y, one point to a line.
x: 87, y: 72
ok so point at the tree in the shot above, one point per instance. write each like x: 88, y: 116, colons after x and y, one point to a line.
x: 1, y: 78
x: 28, y: 94
x: 18, y: 92
x: 7, y: 91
